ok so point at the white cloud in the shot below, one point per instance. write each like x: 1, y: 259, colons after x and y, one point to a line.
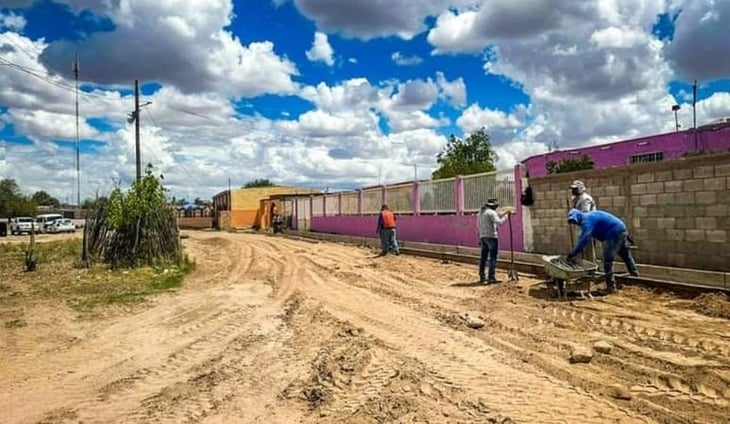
x: 176, y: 42
x: 401, y: 60
x: 474, y: 118
x: 700, y: 48
x: 318, y: 123
x: 593, y: 71
x: 370, y: 19
x: 11, y: 21
x: 321, y: 50
x: 453, y: 91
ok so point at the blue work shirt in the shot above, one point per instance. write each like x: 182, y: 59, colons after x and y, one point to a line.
x: 596, y: 224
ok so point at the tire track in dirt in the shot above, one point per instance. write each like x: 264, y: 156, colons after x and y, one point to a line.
x: 521, y: 342
x: 467, y: 362
x: 649, y: 374
x: 182, y: 335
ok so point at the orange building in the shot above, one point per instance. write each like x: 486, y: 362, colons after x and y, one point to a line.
x: 250, y: 207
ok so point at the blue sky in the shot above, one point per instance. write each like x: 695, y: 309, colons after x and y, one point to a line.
x: 339, y: 93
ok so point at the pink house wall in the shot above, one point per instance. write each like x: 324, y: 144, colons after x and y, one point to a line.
x: 456, y: 230
x: 673, y: 145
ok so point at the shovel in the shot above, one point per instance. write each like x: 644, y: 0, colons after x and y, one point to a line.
x: 512, y: 273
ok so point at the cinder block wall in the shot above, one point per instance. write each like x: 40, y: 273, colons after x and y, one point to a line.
x: 678, y: 211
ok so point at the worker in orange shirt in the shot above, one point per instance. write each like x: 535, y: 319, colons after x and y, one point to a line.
x: 386, y: 231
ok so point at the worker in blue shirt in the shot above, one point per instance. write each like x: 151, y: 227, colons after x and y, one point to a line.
x: 608, y: 229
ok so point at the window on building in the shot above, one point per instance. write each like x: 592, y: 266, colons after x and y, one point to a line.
x: 647, y: 157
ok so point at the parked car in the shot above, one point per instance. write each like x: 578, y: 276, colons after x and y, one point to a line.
x: 45, y: 221
x: 22, y: 224
x: 63, y: 225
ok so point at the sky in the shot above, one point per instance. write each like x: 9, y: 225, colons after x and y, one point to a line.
x: 337, y: 94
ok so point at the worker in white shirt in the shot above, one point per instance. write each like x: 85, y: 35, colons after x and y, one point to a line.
x: 487, y: 222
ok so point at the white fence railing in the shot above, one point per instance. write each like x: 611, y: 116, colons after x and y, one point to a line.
x: 437, y: 196
x: 444, y: 196
x: 479, y: 188
x: 400, y: 198
x: 349, y: 203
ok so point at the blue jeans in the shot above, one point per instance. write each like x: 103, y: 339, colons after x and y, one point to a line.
x: 388, y: 241
x: 617, y: 246
x: 490, y: 248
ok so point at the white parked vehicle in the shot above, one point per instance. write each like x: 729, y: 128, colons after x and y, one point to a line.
x: 22, y: 224
x: 62, y: 225
x: 46, y: 220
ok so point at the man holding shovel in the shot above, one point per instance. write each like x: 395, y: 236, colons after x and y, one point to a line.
x: 581, y: 200
x: 487, y: 222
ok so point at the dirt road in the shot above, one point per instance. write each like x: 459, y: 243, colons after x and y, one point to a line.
x: 272, y: 330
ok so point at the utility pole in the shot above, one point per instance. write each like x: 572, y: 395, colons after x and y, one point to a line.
x: 675, y: 108
x: 230, y: 195
x: 694, y: 112
x: 136, y: 130
x: 78, y: 141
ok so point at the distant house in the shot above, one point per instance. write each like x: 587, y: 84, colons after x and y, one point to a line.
x: 655, y: 148
x: 242, y: 207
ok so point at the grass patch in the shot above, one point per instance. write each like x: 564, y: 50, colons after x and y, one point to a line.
x: 85, y: 289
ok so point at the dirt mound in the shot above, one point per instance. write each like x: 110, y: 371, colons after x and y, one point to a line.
x: 715, y: 305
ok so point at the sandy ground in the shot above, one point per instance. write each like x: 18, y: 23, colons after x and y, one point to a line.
x: 40, y: 238
x: 273, y: 330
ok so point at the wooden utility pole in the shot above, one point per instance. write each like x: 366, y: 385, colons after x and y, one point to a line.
x: 136, y: 130
x: 78, y: 140
x: 694, y: 113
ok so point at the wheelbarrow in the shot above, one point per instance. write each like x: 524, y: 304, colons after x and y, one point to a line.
x: 563, y: 274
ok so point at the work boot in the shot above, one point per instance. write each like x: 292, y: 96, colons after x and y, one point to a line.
x: 493, y: 281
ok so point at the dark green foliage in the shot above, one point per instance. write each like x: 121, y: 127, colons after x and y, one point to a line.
x: 12, y: 201
x: 42, y: 198
x: 259, y: 182
x: 474, y: 155
x: 570, y: 165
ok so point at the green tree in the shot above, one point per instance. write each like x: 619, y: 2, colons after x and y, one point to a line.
x: 92, y: 203
x: 583, y: 163
x: 472, y: 155
x: 12, y: 201
x: 42, y: 198
x: 259, y: 182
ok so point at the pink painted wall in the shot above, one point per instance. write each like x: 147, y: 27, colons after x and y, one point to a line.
x: 673, y: 145
x: 456, y: 230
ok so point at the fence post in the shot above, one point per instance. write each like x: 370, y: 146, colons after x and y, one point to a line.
x: 459, y: 195
x: 384, y: 194
x: 339, y: 203
x: 416, y: 199
x: 359, y: 202
x: 295, y: 214
x: 324, y: 205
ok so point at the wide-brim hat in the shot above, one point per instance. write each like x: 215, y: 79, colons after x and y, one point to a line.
x: 492, y: 203
x: 577, y: 184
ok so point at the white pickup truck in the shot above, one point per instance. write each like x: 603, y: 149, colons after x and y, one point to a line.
x: 22, y: 224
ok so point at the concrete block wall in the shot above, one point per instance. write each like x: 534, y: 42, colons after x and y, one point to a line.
x: 678, y: 211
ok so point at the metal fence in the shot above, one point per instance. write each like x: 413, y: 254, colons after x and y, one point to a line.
x: 348, y: 203
x: 444, y: 196
x: 479, y: 188
x: 437, y: 196
x: 332, y: 204
x: 372, y: 199
x: 400, y: 198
